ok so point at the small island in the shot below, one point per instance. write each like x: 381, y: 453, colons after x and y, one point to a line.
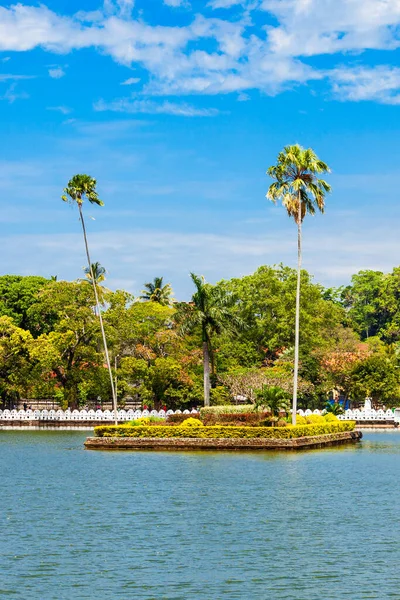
x: 214, y: 429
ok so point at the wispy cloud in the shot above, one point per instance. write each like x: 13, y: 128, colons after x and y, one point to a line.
x: 65, y: 110
x: 216, y: 256
x: 11, y: 95
x: 130, y: 81
x: 56, y: 72
x: 176, y: 3
x: 127, y: 105
x: 379, y: 84
x: 12, y: 77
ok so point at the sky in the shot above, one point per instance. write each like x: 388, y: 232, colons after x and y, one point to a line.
x: 177, y: 108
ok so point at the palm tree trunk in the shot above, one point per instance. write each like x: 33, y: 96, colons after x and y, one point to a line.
x: 114, y: 397
x: 297, y: 320
x: 206, y: 367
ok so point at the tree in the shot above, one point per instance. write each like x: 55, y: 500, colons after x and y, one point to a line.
x: 157, y: 292
x: 17, y: 295
x: 274, y: 399
x: 15, y: 364
x: 365, y: 302
x: 301, y: 191
x: 70, y: 355
x: 377, y: 377
x: 99, y: 273
x: 79, y: 188
x: 210, y: 311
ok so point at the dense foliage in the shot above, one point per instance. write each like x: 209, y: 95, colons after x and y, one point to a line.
x: 51, y: 345
x: 221, y: 431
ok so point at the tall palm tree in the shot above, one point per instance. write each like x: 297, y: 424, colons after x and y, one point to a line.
x: 79, y: 188
x: 157, y: 292
x: 301, y: 191
x: 209, y: 310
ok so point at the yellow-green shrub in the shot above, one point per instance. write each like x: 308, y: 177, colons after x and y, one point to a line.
x: 223, y: 431
x: 330, y: 418
x: 314, y: 419
x: 192, y: 422
x: 301, y: 420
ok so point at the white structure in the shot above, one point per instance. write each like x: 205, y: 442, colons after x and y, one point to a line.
x: 84, y: 415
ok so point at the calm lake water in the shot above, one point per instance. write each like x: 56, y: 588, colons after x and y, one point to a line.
x: 79, y: 524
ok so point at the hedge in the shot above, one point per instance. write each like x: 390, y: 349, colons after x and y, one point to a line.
x: 227, y: 408
x: 223, y: 431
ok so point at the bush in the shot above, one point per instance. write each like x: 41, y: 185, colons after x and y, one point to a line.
x: 300, y: 420
x: 314, y: 419
x: 223, y: 431
x: 250, y: 419
x: 178, y: 419
x: 226, y: 408
x: 253, y: 419
x: 330, y: 418
x: 191, y: 422
x: 146, y: 421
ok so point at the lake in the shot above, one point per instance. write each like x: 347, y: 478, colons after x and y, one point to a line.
x: 316, y: 525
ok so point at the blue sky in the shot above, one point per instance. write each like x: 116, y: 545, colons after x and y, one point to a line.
x: 178, y: 107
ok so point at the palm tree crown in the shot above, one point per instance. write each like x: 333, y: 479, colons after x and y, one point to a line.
x: 296, y: 181
x: 157, y: 292
x: 81, y: 186
x: 209, y: 308
x: 99, y: 273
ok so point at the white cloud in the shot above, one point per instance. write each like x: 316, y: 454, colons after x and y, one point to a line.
x: 245, y: 56
x: 56, y: 72
x: 224, y: 3
x: 380, y: 84
x: 131, y: 81
x: 310, y: 27
x: 11, y: 77
x: 143, y: 252
x: 123, y: 8
x: 65, y: 110
x: 11, y: 94
x: 175, y: 3
x: 127, y: 105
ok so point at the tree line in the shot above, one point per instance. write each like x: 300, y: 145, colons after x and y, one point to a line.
x: 274, y: 330
x: 51, y: 343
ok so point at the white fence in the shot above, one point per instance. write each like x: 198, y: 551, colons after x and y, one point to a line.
x: 130, y: 415
x: 360, y: 415
x: 84, y: 415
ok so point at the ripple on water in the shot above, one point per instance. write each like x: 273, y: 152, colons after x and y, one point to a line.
x: 85, y: 525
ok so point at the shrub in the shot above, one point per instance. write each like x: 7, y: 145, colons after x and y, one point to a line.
x: 192, y: 423
x: 314, y: 419
x: 178, y: 419
x: 226, y: 408
x: 330, y: 417
x: 146, y: 421
x: 250, y: 419
x: 223, y: 431
x: 300, y: 420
